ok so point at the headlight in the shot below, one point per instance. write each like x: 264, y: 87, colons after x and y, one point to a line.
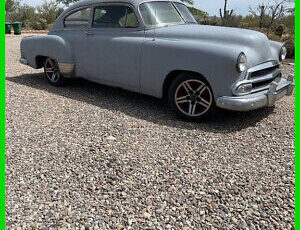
x: 241, y: 62
x: 283, y: 53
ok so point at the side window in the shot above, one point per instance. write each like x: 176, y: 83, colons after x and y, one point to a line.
x: 114, y: 16
x: 78, y: 19
x: 132, y: 21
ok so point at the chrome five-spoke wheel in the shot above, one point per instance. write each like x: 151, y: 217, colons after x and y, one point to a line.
x: 52, y: 72
x: 191, y: 96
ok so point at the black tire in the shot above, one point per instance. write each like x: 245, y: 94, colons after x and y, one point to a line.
x: 187, y: 102
x: 52, y: 73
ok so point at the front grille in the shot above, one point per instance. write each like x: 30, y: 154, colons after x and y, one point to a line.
x: 261, y: 79
x: 263, y: 72
x: 262, y: 83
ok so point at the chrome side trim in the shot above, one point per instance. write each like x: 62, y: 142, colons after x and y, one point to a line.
x: 279, y: 88
x: 67, y: 69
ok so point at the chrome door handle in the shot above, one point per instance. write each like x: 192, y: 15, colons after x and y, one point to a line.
x: 89, y: 33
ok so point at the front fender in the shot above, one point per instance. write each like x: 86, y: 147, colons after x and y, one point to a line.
x: 216, y: 62
x: 276, y: 48
x: 47, y: 45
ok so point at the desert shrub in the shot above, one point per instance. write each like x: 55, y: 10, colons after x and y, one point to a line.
x: 274, y: 37
x: 39, y: 18
x: 40, y: 24
x: 250, y: 21
x: 289, y: 23
x: 290, y: 45
x: 234, y: 21
x: 49, y: 11
x: 212, y: 21
x: 279, y: 30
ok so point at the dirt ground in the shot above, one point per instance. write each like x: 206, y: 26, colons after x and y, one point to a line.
x: 88, y: 156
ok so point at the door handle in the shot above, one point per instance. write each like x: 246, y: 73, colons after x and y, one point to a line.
x: 89, y: 33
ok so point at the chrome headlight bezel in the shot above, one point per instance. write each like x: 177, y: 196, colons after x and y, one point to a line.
x: 283, y: 53
x: 241, y: 64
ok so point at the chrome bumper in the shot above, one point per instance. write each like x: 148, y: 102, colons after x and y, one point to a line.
x: 279, y: 88
x: 23, y: 61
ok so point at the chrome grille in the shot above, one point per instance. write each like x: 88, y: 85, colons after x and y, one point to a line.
x: 263, y: 83
x: 261, y: 76
x: 263, y: 72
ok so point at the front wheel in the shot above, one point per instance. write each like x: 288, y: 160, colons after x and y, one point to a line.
x: 191, y: 97
x: 52, y: 72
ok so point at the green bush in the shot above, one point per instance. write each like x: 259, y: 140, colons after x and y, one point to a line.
x: 290, y: 45
x: 279, y: 30
x: 40, y: 24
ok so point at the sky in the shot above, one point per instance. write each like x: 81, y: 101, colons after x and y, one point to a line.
x: 210, y: 6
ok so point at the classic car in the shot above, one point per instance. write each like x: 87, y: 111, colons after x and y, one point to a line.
x: 155, y: 47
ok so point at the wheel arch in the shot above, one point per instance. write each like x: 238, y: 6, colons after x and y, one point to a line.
x: 40, y: 60
x: 172, y: 76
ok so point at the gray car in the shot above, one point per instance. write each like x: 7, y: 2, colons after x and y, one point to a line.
x: 157, y: 48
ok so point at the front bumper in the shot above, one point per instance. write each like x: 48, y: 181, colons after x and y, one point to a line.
x: 279, y: 88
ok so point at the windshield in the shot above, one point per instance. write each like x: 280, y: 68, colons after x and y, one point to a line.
x: 185, y: 13
x: 159, y: 13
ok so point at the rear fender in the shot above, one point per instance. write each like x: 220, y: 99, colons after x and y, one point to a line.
x: 34, y: 47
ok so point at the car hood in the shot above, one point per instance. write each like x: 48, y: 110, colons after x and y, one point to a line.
x: 254, y: 44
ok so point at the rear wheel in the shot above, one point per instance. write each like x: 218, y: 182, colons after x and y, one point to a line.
x: 52, y: 72
x: 191, y: 97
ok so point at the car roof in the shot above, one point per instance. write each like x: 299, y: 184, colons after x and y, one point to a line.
x: 135, y: 3
x: 132, y: 2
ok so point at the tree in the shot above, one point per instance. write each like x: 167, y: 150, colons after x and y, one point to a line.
x: 26, y: 14
x: 259, y: 12
x: 11, y: 5
x: 199, y: 15
x: 190, y: 2
x: 67, y: 2
x: 291, y: 10
x: 226, y: 14
x: 11, y: 9
x: 49, y: 11
x: 276, y: 12
x: 268, y: 14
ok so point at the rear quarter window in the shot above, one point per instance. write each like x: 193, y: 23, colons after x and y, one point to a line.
x: 78, y: 19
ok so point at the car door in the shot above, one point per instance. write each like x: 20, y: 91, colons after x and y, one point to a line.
x: 76, y: 23
x: 114, y: 45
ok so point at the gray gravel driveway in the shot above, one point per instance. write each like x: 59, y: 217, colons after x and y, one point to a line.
x: 88, y: 156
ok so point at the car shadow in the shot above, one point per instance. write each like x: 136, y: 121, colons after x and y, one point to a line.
x: 141, y: 106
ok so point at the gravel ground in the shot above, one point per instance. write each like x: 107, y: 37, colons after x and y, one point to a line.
x: 87, y: 156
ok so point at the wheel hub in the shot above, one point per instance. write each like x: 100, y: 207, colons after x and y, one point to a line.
x: 51, y: 69
x: 194, y: 98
